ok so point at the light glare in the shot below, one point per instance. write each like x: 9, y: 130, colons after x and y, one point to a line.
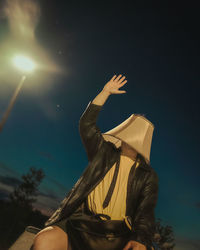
x: 24, y: 63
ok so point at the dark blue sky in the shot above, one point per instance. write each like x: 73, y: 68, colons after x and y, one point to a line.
x: 156, y: 46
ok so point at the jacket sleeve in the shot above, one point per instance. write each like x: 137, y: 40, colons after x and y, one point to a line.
x: 144, y: 223
x: 91, y: 136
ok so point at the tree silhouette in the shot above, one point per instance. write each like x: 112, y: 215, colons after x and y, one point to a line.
x: 23, y: 194
x: 164, y: 236
x: 18, y: 211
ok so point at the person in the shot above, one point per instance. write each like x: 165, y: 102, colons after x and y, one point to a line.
x: 112, y: 204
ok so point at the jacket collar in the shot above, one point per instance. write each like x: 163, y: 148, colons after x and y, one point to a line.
x: 145, y: 166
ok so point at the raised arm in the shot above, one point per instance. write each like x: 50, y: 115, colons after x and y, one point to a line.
x: 91, y: 136
x: 90, y: 133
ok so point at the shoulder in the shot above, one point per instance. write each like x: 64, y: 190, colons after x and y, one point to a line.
x: 111, y: 148
x: 152, y: 171
x: 153, y: 178
x: 151, y: 174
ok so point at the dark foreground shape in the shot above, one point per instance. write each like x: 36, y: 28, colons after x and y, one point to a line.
x: 25, y: 240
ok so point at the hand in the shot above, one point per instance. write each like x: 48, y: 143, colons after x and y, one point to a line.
x: 135, y: 245
x: 114, y: 84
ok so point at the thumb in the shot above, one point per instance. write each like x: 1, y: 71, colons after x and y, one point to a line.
x: 121, y: 92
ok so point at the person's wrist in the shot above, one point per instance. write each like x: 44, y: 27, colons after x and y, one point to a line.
x: 105, y: 91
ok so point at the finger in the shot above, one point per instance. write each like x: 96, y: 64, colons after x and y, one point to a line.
x: 118, y: 77
x: 121, y: 80
x: 121, y: 92
x: 122, y: 83
x: 113, y: 77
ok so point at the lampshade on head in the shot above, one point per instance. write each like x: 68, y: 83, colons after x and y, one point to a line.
x: 136, y: 131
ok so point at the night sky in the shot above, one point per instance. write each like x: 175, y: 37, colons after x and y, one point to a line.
x: 155, y: 45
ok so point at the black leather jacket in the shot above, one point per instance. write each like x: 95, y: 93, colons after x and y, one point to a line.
x: 142, y: 189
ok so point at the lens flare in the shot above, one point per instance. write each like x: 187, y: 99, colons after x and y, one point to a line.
x: 24, y: 63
